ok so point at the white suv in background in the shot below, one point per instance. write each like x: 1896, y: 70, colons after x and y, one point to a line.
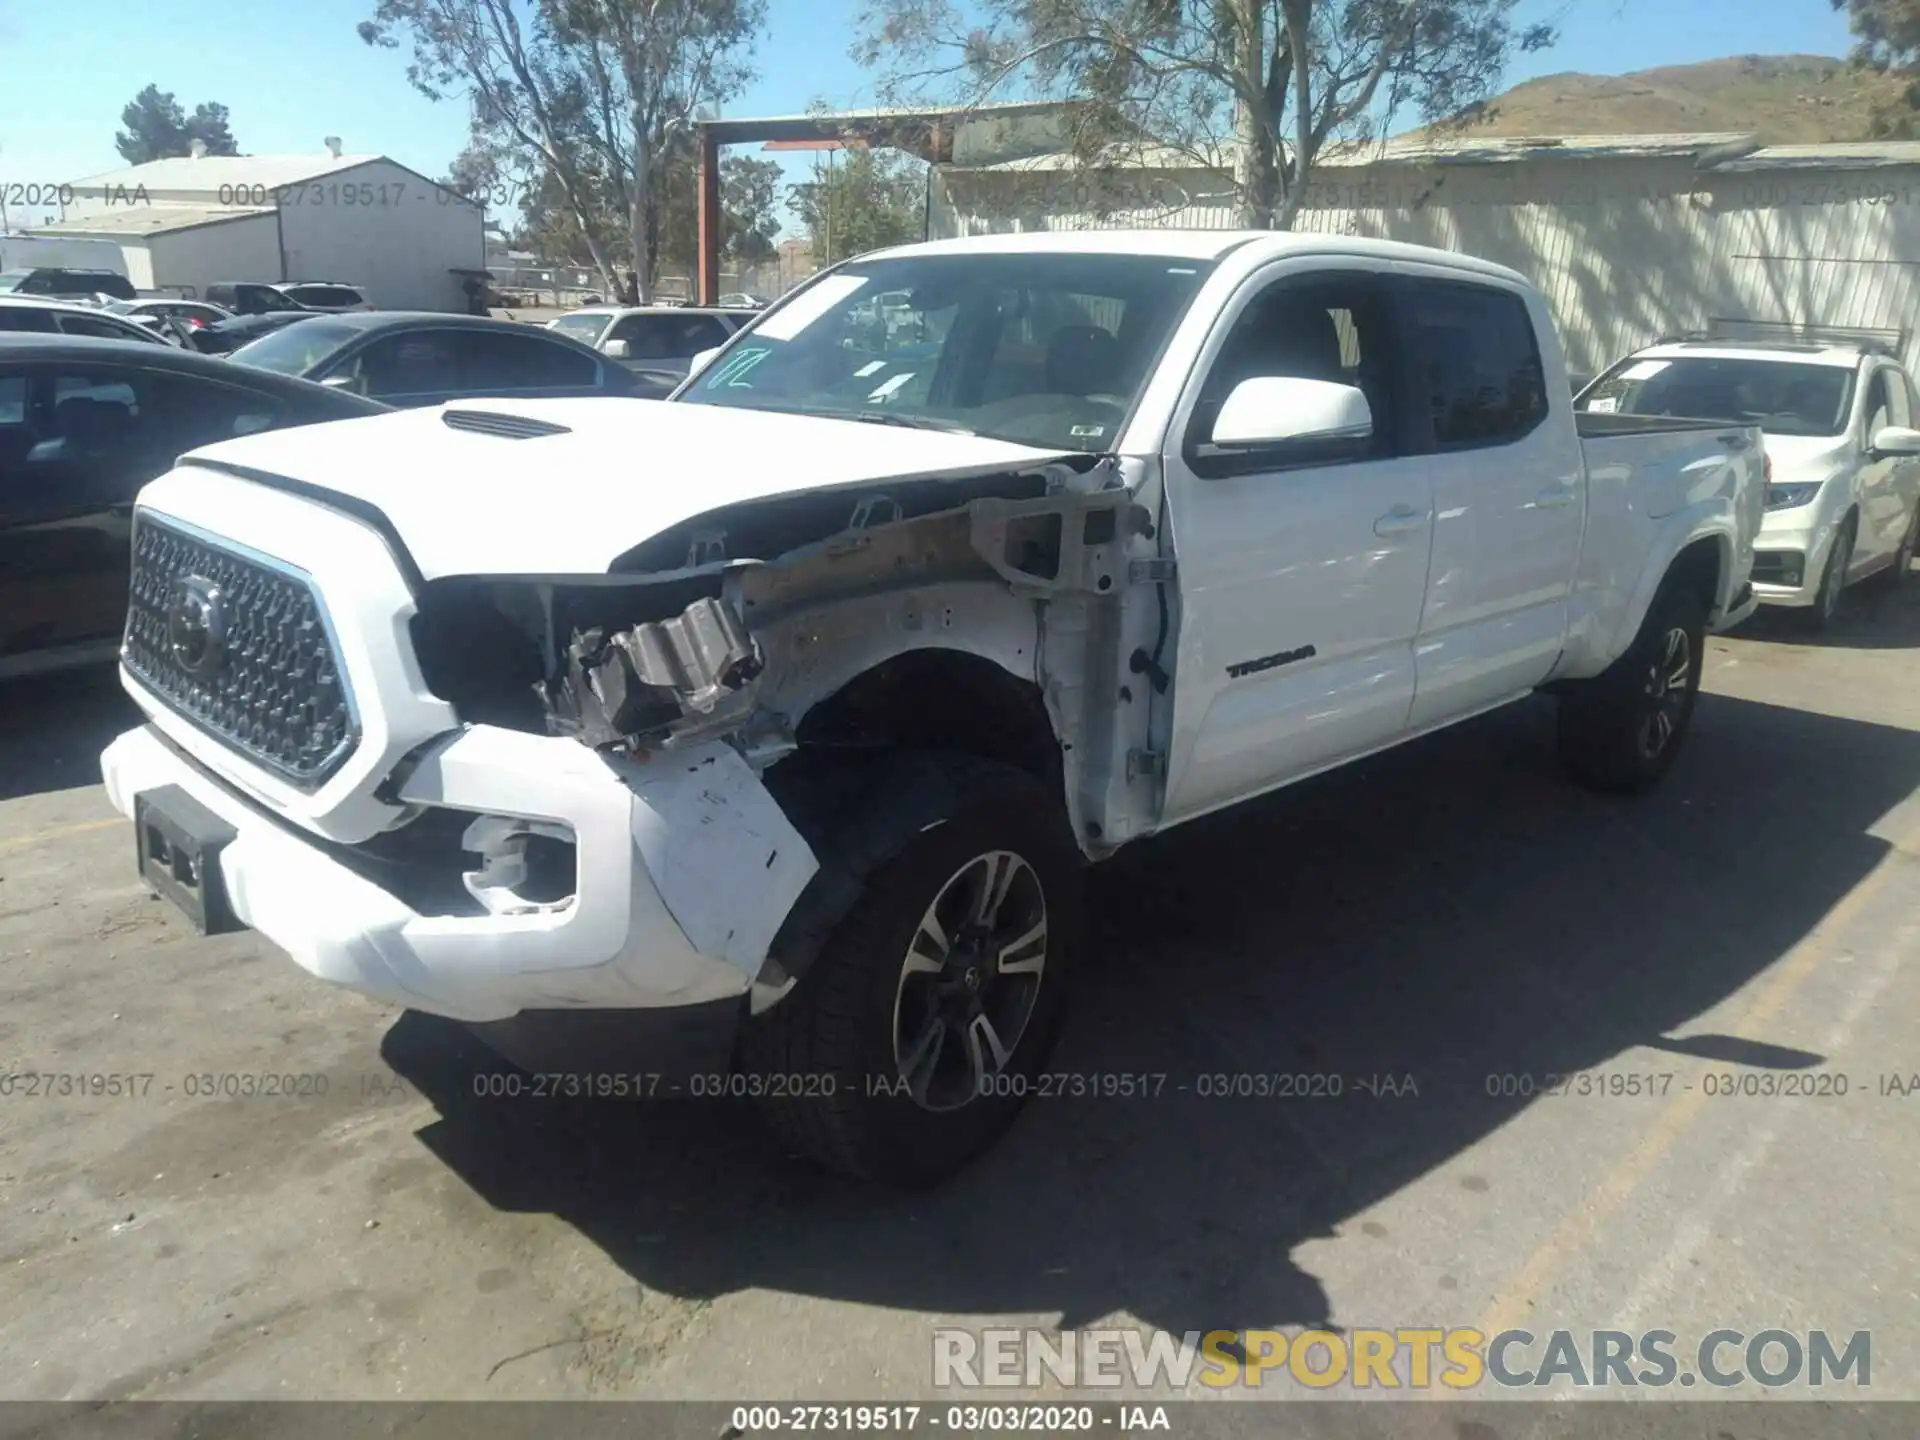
x: 1843, y: 454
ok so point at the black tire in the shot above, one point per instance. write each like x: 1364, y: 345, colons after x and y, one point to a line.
x: 1833, y: 580
x: 1896, y: 575
x: 829, y: 1056
x: 1620, y: 731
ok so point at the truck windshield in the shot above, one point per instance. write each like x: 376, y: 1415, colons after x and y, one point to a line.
x: 1041, y: 349
x: 1782, y: 397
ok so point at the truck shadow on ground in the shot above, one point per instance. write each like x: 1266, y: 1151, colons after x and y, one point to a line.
x: 53, y: 728
x: 1449, y: 911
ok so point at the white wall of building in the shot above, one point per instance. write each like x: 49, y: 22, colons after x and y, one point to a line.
x: 359, y: 219
x: 1626, y: 248
x: 384, y: 228
x: 245, y: 249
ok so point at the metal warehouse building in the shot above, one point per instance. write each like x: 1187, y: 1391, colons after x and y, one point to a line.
x: 1631, y: 237
x: 195, y: 221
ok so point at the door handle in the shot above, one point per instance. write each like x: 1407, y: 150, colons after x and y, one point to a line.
x: 1400, y: 520
x: 1556, y: 495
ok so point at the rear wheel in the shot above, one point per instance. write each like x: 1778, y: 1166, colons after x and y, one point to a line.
x: 908, y: 1046
x: 1621, y: 731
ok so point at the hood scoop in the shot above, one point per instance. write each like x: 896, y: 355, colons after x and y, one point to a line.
x: 505, y: 427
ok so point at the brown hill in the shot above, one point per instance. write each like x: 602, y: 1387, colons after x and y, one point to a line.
x: 1786, y: 99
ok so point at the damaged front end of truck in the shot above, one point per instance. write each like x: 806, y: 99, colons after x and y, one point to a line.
x: 986, y: 612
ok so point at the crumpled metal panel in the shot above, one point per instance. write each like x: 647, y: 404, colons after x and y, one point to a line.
x: 635, y: 681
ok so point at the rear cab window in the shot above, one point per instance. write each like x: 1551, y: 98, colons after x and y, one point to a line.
x: 1478, y: 379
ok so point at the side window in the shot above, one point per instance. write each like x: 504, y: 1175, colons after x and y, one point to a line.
x: 420, y: 362
x: 89, y: 435
x: 648, y: 337
x: 100, y: 329
x: 703, y: 333
x: 1478, y: 376
x: 14, y: 439
x: 1879, y: 407
x: 25, y: 317
x: 1899, y: 408
x: 1322, y: 327
x: 189, y: 413
x: 495, y: 360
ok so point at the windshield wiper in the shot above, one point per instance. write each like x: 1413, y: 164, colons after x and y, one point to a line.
x: 896, y: 417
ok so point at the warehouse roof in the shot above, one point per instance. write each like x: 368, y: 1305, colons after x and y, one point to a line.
x: 211, y: 172
x: 130, y: 222
x: 1846, y: 155
x: 1711, y: 150
x: 1705, y: 148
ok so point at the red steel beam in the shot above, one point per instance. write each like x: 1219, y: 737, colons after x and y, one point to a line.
x: 708, y: 270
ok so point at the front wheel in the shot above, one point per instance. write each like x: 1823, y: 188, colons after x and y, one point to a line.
x: 1895, y: 576
x: 1620, y: 731
x: 1833, y: 580
x: 911, y: 1043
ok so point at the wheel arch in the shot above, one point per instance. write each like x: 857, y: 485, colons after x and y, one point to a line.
x: 884, y: 755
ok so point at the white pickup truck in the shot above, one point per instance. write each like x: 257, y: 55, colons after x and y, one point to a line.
x: 781, y: 715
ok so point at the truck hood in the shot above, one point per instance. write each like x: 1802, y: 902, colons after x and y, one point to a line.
x: 615, y: 472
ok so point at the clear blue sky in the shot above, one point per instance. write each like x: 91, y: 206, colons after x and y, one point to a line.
x: 293, y: 71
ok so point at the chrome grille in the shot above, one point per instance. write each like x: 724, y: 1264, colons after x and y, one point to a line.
x: 240, y: 646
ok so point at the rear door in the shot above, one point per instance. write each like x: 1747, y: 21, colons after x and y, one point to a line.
x: 405, y: 367
x: 509, y: 363
x: 1302, y: 566
x: 1508, y: 488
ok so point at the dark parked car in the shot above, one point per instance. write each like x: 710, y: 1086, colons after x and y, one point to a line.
x: 426, y: 358
x: 83, y: 425
x: 252, y: 297
x: 63, y: 284
x: 223, y: 337
x: 329, y: 295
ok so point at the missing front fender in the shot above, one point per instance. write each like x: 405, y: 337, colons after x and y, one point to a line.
x: 621, y: 686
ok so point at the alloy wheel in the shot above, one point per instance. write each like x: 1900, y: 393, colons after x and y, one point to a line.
x: 1669, y: 683
x: 970, y: 980
x: 1835, y: 578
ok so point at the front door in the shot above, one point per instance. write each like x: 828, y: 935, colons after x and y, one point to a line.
x: 1302, y: 566
x: 1886, y: 481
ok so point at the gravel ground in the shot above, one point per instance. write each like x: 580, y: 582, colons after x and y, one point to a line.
x: 1444, y: 914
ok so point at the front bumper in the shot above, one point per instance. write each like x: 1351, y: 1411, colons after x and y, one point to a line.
x: 685, y: 869
x: 1791, y: 542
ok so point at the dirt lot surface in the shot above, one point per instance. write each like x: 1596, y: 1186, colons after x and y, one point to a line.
x: 1452, y: 916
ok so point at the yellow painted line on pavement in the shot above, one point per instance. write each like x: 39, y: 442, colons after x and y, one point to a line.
x: 43, y: 836
x: 1510, y: 1305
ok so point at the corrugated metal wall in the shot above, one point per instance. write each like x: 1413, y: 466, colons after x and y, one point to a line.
x: 1626, y: 249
